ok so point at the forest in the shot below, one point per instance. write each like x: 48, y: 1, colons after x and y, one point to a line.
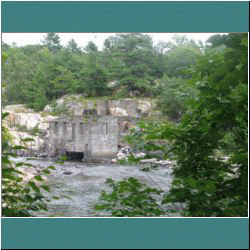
x: 201, y: 90
x: 129, y: 65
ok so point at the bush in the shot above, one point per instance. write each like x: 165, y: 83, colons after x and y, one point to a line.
x: 130, y: 198
x: 19, y: 199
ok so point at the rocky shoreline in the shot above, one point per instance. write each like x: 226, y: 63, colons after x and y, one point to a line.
x: 125, y: 152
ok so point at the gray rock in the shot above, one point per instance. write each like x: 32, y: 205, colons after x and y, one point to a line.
x: 48, y: 108
x: 67, y: 172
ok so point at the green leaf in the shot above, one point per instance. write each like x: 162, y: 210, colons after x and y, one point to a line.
x: 46, y: 188
x: 28, y: 164
x: 5, y: 160
x: 192, y: 182
x: 38, y: 178
x: 27, y: 139
x: 45, y: 171
x: 59, y: 162
x: 18, y: 147
x: 19, y: 164
x: 66, y: 196
x: 4, y: 115
x: 19, y: 179
x: 51, y: 167
x: 33, y: 186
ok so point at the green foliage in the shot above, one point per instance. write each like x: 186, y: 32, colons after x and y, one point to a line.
x: 181, y: 54
x: 35, y: 130
x: 37, y: 74
x: 19, y: 198
x: 133, y: 61
x: 218, y: 120
x: 174, y: 96
x: 52, y: 42
x: 130, y: 198
x: 4, y: 57
x: 17, y: 70
x: 130, y: 159
x: 91, y: 47
x: 149, y: 137
x: 73, y: 47
x: 61, y: 159
x: 96, y: 82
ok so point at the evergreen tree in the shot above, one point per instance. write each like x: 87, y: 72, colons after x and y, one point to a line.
x: 52, y: 42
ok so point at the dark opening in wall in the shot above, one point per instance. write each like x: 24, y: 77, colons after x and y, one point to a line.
x: 75, y: 156
x: 56, y: 127
x: 90, y: 112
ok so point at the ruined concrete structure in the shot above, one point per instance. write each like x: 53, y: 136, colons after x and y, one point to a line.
x: 92, y: 137
x: 95, y: 130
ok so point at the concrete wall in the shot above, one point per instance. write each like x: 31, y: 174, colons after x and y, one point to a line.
x: 96, y: 137
x: 103, y: 107
x: 104, y: 138
x: 129, y: 105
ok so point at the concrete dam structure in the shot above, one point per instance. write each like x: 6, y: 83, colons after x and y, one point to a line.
x: 85, y: 137
x: 93, y: 133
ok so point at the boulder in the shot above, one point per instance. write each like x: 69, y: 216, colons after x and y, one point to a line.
x: 113, y: 161
x: 121, y: 155
x: 139, y: 155
x: 124, y: 125
x: 48, y: 108
x: 144, y: 107
x: 118, y: 112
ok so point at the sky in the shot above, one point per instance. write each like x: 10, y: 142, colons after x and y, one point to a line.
x: 82, y: 39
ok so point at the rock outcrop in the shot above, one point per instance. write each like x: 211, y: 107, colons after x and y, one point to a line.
x: 24, y: 123
x: 125, y: 152
x: 123, y: 107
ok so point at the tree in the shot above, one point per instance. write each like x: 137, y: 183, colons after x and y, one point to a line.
x: 133, y: 61
x: 36, y: 90
x: 180, y: 55
x: 173, y: 97
x: 73, y: 47
x: 91, y: 46
x: 216, y: 119
x: 17, y: 70
x: 52, y: 42
x: 206, y: 185
x: 95, y: 82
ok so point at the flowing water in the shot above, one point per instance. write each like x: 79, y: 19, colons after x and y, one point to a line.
x: 85, y: 182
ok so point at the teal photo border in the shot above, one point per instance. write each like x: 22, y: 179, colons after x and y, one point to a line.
x: 124, y: 16
x: 124, y: 233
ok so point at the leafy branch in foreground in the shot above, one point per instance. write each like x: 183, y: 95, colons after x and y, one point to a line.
x: 207, y: 185
x: 20, y: 197
x: 130, y: 198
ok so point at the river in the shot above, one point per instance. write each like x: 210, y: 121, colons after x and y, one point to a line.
x: 85, y: 183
